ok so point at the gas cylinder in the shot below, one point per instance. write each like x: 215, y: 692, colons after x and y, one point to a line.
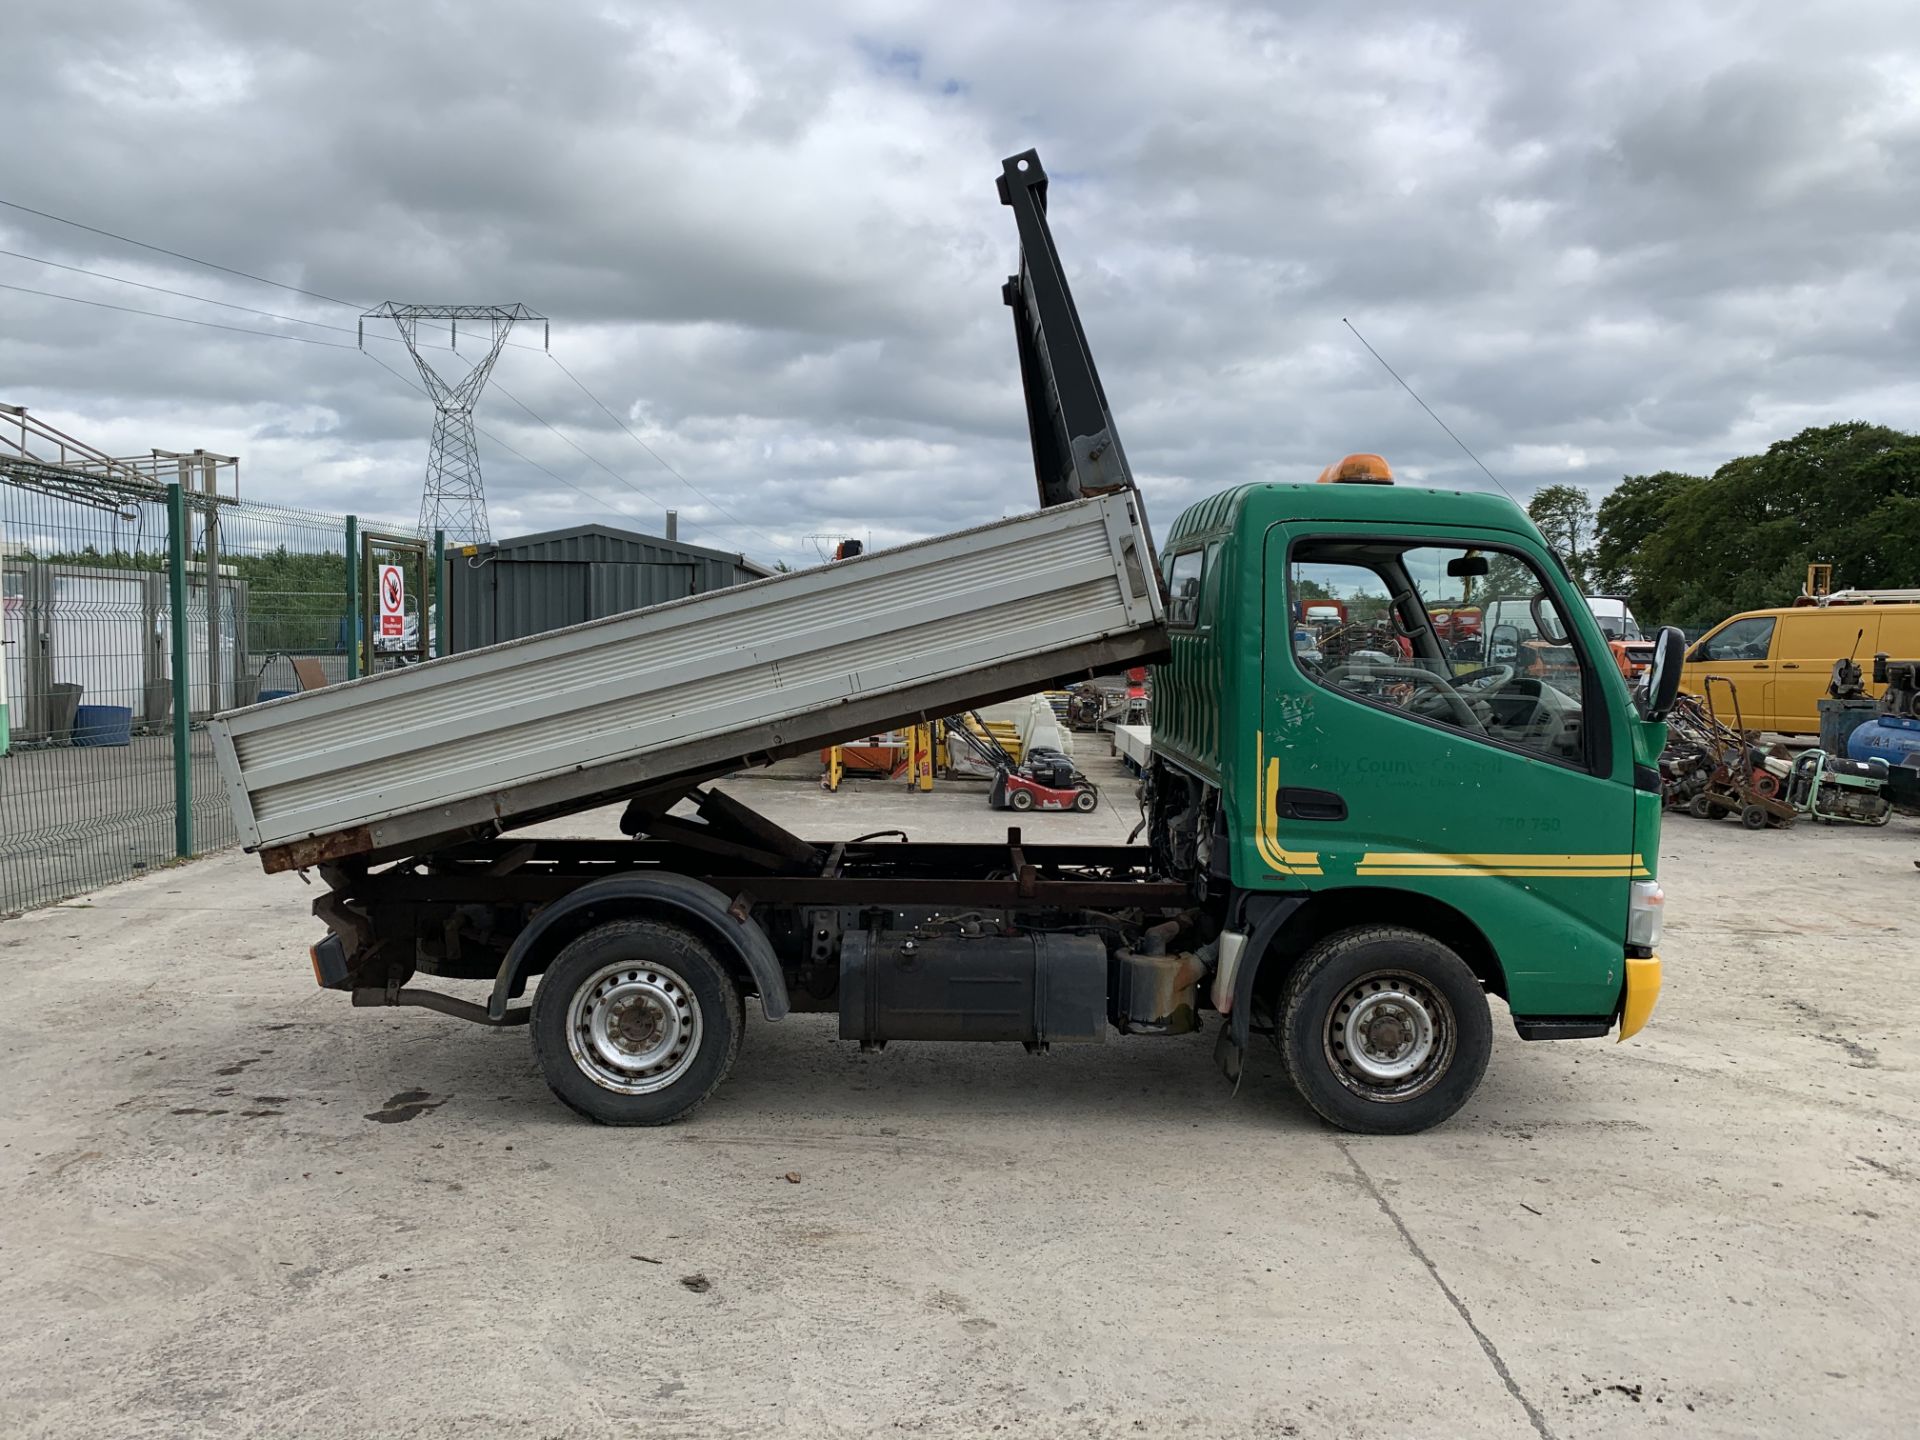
x: 1891, y: 738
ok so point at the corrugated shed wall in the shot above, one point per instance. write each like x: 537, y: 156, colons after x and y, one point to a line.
x: 546, y: 582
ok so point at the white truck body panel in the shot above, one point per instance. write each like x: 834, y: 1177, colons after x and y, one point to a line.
x: 561, y: 722
x: 1134, y: 744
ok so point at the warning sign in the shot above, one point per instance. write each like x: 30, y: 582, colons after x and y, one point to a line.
x: 393, y: 602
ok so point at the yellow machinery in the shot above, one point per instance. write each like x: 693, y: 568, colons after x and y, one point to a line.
x: 920, y: 755
x: 917, y: 749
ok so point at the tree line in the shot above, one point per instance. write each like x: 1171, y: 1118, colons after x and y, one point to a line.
x: 1691, y: 550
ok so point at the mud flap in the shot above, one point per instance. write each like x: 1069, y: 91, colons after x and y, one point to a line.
x: 1230, y: 1055
x: 1262, y: 916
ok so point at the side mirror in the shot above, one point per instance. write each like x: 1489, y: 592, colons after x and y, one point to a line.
x: 1504, y: 644
x: 1663, y: 675
x: 1541, y: 608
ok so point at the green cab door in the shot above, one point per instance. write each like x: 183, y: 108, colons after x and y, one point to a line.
x: 1488, y: 771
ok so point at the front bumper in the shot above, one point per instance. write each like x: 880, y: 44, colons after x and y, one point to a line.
x: 1642, y: 992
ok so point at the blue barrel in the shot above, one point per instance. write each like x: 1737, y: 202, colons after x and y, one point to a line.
x: 102, y: 725
x: 1890, y: 738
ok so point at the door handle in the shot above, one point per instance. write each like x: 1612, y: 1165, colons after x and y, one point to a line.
x: 1298, y: 804
x: 1789, y: 665
x: 1761, y: 666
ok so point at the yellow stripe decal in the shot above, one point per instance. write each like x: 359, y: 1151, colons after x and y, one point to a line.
x: 1435, y: 872
x: 1566, y: 867
x: 1382, y: 857
x: 1421, y: 863
x: 1277, y: 856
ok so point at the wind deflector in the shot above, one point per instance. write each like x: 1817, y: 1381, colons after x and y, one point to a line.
x: 1076, y: 450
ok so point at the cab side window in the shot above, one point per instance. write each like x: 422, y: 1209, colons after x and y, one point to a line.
x: 1468, y: 640
x: 1183, y: 589
x: 1748, y: 639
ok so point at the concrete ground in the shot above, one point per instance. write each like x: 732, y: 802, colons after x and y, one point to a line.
x: 234, y: 1206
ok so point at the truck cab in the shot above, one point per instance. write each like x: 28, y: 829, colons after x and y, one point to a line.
x: 1415, y: 827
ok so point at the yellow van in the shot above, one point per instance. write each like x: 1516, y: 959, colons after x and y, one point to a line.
x: 1781, y: 660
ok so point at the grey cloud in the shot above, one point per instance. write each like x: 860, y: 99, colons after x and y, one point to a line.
x: 768, y: 238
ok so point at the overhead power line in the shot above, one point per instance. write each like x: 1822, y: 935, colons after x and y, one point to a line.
x: 202, y: 299
x: 177, y: 294
x: 337, y: 345
x: 591, y: 459
x: 662, y: 459
x: 190, y: 259
x: 340, y: 329
x: 162, y: 250
x: 181, y: 319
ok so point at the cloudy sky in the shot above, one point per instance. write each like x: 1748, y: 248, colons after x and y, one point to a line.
x: 1597, y: 238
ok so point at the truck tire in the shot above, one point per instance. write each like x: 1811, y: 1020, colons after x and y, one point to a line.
x: 1384, y: 1030
x: 636, y: 1023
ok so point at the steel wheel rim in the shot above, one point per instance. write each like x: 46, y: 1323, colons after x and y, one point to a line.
x: 634, y: 1029
x: 1389, y: 1036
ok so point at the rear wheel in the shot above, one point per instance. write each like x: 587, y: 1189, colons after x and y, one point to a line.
x: 1384, y: 1031
x: 636, y: 1023
x: 1020, y: 799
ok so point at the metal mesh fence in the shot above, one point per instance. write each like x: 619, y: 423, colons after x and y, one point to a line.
x: 93, y: 771
x: 86, y: 783
x: 285, y: 625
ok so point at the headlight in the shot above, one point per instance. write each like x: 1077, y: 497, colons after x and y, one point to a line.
x: 1644, y: 913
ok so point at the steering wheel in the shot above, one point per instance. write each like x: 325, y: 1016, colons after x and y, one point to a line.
x: 1414, y: 675
x: 1487, y: 677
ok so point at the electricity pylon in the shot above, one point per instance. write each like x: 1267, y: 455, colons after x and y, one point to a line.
x: 452, y: 499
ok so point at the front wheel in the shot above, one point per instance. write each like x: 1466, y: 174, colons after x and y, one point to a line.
x: 1086, y: 801
x: 636, y: 1023
x: 1384, y: 1031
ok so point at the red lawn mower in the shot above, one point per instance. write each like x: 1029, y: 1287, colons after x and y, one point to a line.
x: 1045, y: 780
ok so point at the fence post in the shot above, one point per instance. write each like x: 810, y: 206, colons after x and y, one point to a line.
x: 353, y: 597
x: 182, y: 680
x: 210, y: 529
x: 441, y: 576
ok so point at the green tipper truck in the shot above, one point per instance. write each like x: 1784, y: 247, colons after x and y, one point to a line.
x: 1355, y: 835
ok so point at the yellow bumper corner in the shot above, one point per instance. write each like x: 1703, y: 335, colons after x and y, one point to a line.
x: 1643, y: 991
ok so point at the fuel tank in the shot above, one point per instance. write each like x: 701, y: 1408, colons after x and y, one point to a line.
x: 1037, y: 989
